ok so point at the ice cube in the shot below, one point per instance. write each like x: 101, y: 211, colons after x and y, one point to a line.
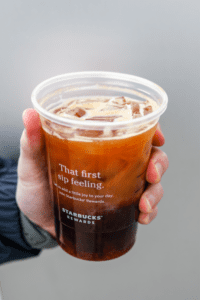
x: 135, y: 108
x: 147, y: 110
x: 118, y: 100
x: 58, y: 110
x: 77, y: 112
x: 95, y: 105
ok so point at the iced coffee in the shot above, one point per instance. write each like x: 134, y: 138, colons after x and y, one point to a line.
x: 98, y: 146
x: 98, y: 176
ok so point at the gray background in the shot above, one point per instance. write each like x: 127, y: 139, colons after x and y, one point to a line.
x: 157, y: 40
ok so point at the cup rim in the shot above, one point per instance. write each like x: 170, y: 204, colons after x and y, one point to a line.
x: 91, y: 124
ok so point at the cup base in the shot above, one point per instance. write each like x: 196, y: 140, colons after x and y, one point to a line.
x: 93, y: 246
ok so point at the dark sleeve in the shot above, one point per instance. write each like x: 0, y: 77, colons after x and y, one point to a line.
x: 13, y: 245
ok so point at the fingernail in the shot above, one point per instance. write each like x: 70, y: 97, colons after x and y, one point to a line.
x: 148, y: 206
x: 146, y: 219
x: 159, y: 169
x: 23, y: 113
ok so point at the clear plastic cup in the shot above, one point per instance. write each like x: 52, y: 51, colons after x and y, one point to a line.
x: 97, y: 169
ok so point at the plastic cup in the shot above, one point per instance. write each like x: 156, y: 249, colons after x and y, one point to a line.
x: 97, y: 169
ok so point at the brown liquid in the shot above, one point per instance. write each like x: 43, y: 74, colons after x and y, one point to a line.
x: 105, y: 228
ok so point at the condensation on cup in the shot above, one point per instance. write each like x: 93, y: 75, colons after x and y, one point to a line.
x: 98, y: 129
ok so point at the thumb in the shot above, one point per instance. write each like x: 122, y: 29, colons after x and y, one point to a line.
x: 32, y: 161
x: 33, y: 130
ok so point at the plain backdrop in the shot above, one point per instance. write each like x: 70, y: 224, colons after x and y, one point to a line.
x: 157, y: 40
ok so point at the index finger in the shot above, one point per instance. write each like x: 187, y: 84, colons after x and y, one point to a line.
x: 158, y: 138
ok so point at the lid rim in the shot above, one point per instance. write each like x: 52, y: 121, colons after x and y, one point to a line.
x: 91, y: 124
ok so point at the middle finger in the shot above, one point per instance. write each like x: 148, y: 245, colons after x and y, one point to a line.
x: 151, y: 197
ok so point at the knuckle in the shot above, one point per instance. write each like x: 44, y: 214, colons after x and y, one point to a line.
x: 155, y: 189
x: 158, y: 192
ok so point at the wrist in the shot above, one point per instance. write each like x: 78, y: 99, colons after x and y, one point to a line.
x: 51, y: 231
x: 39, y: 237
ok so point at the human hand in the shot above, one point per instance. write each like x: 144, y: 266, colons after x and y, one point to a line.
x: 33, y: 191
x: 157, y: 166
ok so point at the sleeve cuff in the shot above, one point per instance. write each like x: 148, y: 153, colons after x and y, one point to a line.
x: 37, y: 237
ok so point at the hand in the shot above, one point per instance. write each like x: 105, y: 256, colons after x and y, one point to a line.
x: 33, y: 190
x: 157, y: 166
